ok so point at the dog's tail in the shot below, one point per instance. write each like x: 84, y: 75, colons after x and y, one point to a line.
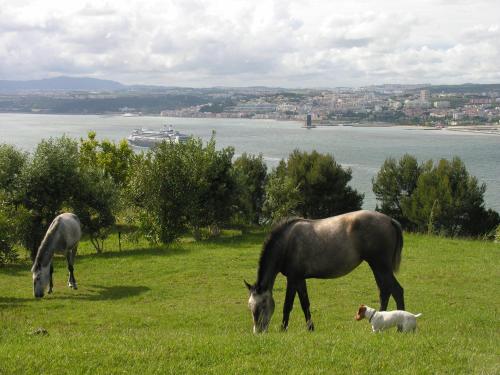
x: 417, y: 315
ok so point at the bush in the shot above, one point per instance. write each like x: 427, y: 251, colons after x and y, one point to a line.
x: 12, y: 162
x: 320, y: 183
x: 48, y: 182
x: 250, y: 174
x: 434, y: 198
x: 54, y: 180
x: 94, y: 204
x: 282, y: 198
x: 176, y: 187
x: 7, y: 236
x: 394, y: 184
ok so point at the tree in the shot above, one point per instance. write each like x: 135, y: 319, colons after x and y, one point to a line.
x: 282, y: 197
x: 114, y: 159
x: 250, y: 173
x: 47, y: 184
x: 105, y: 168
x: 94, y: 203
x: 434, y: 198
x: 181, y: 186
x: 394, y: 184
x: 213, y: 192
x: 12, y: 162
x: 321, y: 184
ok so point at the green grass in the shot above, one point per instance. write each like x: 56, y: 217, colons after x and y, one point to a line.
x: 183, y: 309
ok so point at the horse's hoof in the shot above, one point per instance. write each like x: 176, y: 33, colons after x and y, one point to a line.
x: 310, y: 326
x: 284, y: 328
x: 50, y: 291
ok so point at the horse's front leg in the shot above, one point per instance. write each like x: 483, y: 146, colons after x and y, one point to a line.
x: 51, y: 283
x: 70, y: 257
x: 288, y: 305
x: 304, y: 302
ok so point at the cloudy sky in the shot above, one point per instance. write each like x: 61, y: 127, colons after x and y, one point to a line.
x: 292, y: 43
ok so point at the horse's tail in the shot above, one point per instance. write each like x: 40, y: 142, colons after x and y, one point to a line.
x: 396, y: 257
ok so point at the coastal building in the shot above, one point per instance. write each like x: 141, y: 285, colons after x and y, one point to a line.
x: 442, y: 104
x: 425, y: 96
x: 254, y: 108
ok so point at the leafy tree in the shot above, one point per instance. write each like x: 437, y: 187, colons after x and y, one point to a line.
x: 94, y: 203
x: 213, y: 184
x: 394, y: 184
x: 48, y: 182
x: 282, y: 197
x: 114, y: 159
x: 250, y: 173
x: 7, y: 230
x: 451, y: 200
x: 434, y: 198
x: 321, y: 184
x: 181, y: 186
x: 11, y: 164
x: 105, y: 168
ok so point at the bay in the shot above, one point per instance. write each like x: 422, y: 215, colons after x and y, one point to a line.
x: 363, y: 149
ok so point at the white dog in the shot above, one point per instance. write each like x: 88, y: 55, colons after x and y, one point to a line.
x: 380, y: 320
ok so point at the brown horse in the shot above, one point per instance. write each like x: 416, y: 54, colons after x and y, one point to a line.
x: 325, y: 249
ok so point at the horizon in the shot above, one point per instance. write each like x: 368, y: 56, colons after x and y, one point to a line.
x: 286, y: 44
x: 422, y: 84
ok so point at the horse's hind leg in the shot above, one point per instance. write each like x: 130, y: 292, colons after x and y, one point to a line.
x: 387, y: 285
x: 304, y: 302
x: 70, y: 257
x: 384, y: 283
x: 291, y: 289
x: 398, y: 293
x: 51, y: 283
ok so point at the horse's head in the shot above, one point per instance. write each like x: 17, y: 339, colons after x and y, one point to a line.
x: 41, y: 277
x: 261, y: 304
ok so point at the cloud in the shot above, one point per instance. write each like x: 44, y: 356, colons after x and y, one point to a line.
x: 285, y: 43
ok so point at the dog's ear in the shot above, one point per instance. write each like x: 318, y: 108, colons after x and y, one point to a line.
x: 361, y: 312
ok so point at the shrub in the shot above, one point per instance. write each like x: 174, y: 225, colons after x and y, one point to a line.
x: 7, y: 236
x: 250, y: 173
x: 179, y: 186
x: 394, y: 184
x: 443, y: 198
x: 321, y: 184
x: 12, y: 162
x: 48, y: 182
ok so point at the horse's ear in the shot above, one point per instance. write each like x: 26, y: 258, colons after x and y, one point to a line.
x: 249, y: 287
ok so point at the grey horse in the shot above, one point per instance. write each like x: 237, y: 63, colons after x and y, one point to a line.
x: 325, y: 249
x: 62, y: 236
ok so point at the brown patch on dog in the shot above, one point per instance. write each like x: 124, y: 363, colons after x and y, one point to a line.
x: 361, y: 312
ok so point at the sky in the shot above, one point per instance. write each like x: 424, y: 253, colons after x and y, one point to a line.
x: 292, y: 43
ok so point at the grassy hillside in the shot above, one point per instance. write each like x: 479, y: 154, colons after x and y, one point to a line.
x: 183, y: 309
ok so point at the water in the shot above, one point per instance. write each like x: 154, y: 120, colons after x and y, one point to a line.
x: 363, y: 149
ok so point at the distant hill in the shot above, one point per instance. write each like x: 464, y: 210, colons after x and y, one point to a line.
x: 61, y: 83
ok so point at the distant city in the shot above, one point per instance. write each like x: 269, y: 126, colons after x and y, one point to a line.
x: 428, y: 105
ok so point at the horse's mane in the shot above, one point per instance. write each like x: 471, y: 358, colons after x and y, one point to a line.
x: 271, y: 242
x: 46, y: 240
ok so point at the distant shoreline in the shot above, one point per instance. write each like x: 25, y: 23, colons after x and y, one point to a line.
x: 488, y: 129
